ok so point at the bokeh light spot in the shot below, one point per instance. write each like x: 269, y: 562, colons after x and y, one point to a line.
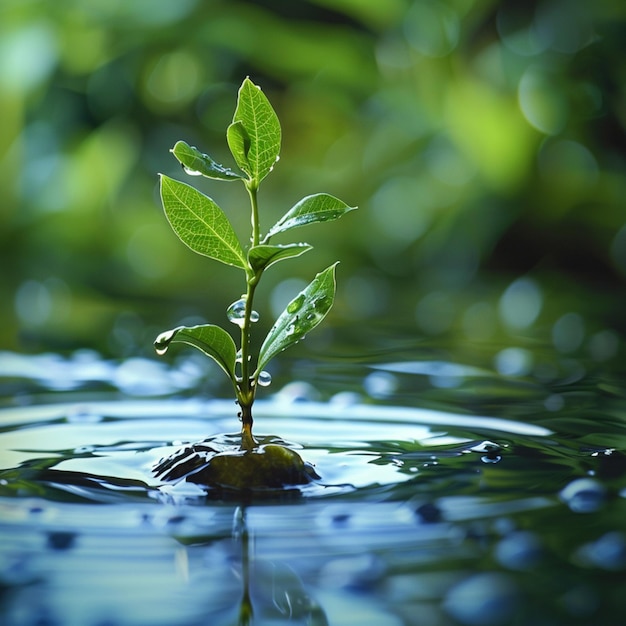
x: 366, y: 296
x: 283, y: 293
x: 27, y: 56
x: 447, y: 164
x: 432, y: 28
x: 402, y: 208
x: 564, y: 25
x: 175, y: 79
x: 37, y: 302
x: 603, y: 345
x: 568, y: 164
x: 568, y: 332
x: 521, y: 303
x: 542, y: 102
x: 514, y: 362
x: 517, y: 29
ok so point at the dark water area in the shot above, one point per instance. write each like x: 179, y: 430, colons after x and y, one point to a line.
x: 462, y: 487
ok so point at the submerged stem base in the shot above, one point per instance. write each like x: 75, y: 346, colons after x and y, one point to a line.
x: 214, y: 464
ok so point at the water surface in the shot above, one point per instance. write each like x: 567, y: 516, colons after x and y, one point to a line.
x: 450, y: 493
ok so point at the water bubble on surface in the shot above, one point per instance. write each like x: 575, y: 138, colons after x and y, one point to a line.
x: 380, y: 384
x: 346, y: 398
x: 265, y: 379
x: 608, y: 552
x: 584, y: 495
x: 291, y: 330
x: 191, y: 172
x: 554, y: 402
x: 296, y: 304
x: 145, y: 377
x: 84, y: 449
x: 488, y: 598
x: 254, y: 316
x: 489, y: 450
x: 488, y: 458
x: 358, y: 572
x: 83, y: 415
x: 520, y: 551
x: 236, y: 312
x: 297, y: 391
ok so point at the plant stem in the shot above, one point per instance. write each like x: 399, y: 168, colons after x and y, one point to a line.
x: 252, y: 192
x: 247, y: 386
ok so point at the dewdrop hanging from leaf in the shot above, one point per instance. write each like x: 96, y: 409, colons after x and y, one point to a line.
x: 254, y: 139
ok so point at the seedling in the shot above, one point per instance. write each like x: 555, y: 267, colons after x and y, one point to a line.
x: 254, y: 139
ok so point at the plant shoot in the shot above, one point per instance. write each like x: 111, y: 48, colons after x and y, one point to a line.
x: 254, y: 139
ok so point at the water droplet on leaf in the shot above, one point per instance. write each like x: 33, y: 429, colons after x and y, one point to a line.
x: 236, y: 312
x: 265, y: 378
x: 296, y: 304
x: 254, y: 316
x: 584, y: 495
x: 162, y: 342
x: 191, y: 172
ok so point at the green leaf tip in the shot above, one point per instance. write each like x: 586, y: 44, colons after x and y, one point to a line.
x: 320, y: 207
x: 212, y: 340
x: 254, y: 137
x: 196, y: 163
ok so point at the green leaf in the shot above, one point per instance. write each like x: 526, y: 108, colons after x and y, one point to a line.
x: 200, y: 223
x: 214, y: 341
x: 197, y: 163
x: 301, y: 316
x: 320, y: 207
x: 261, y: 125
x: 261, y: 257
x: 239, y: 144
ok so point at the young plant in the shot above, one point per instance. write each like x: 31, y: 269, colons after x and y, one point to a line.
x: 254, y: 138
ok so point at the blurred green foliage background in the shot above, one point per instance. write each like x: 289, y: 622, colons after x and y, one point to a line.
x: 483, y: 142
